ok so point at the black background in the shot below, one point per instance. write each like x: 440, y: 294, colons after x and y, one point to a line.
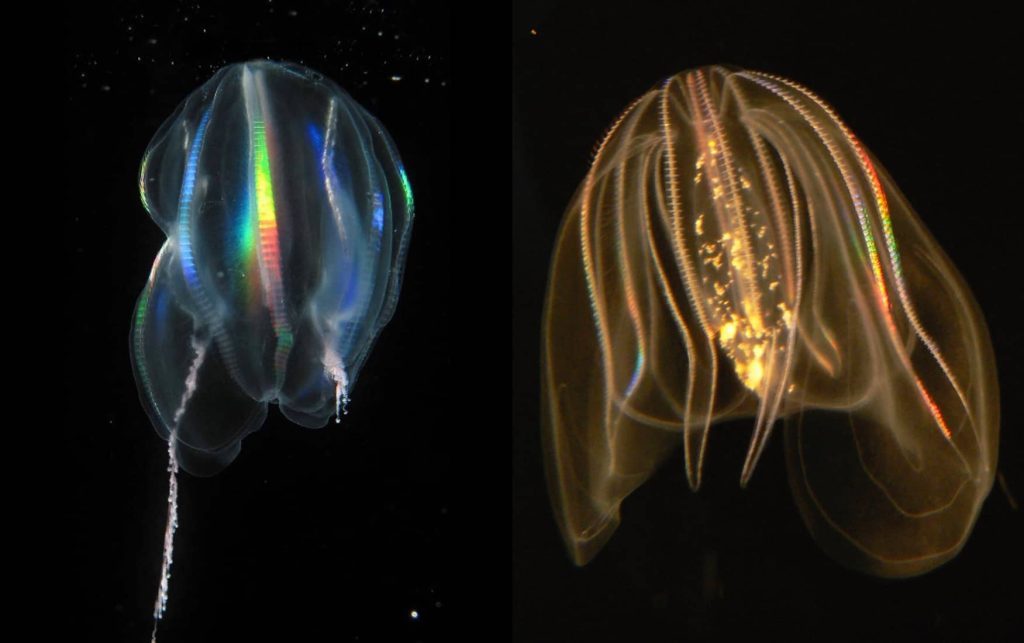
x: 337, y: 534
x: 936, y: 96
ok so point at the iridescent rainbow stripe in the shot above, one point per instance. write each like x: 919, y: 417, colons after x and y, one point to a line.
x: 883, y: 210
x: 245, y: 255
x: 269, y: 247
x: 141, y: 313
x: 188, y: 186
x: 406, y: 188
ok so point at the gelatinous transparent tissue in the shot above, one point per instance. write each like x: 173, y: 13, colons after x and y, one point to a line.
x: 287, y: 214
x: 735, y: 251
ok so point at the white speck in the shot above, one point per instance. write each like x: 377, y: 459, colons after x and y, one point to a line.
x: 426, y: 81
x: 414, y: 615
x: 396, y: 78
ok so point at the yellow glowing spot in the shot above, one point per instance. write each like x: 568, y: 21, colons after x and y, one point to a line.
x: 699, y: 224
x: 744, y: 183
x: 717, y: 192
x: 727, y: 333
x: 754, y: 375
x: 787, y: 314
